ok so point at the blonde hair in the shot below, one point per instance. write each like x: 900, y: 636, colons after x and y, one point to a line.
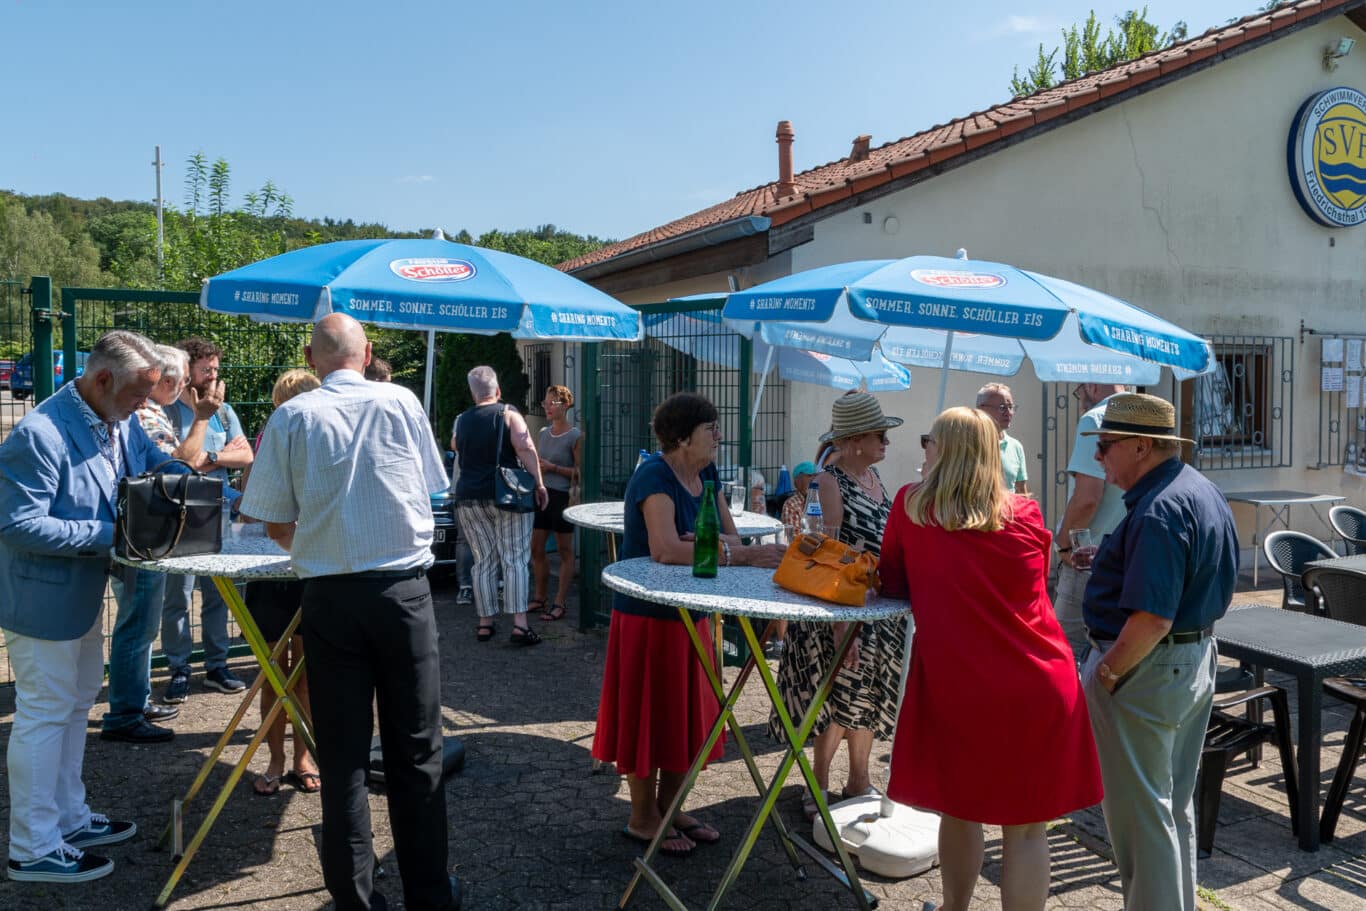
x: 561, y: 394
x: 963, y: 490
x: 292, y: 383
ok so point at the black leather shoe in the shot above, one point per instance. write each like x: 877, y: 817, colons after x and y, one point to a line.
x: 139, y: 732
x: 156, y: 714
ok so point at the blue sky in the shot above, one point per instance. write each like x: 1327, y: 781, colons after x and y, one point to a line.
x: 604, y: 118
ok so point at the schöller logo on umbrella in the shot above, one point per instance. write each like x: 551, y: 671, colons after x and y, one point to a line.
x: 967, y: 281
x: 433, y: 269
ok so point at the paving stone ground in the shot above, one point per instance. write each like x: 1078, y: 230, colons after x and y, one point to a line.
x: 531, y: 827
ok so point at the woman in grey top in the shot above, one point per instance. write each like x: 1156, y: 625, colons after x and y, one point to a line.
x: 559, y: 446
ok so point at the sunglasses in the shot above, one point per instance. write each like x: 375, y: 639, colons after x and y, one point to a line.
x: 925, y: 440
x: 1103, y: 446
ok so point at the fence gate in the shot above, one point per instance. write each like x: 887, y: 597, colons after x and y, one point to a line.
x: 16, y: 340
x: 687, y: 349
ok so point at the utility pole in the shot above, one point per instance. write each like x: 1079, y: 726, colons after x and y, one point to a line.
x: 161, y: 224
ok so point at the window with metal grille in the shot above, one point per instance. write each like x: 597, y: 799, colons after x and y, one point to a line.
x: 1239, y: 414
x: 537, y: 360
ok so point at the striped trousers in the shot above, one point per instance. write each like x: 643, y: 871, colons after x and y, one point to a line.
x: 501, y: 542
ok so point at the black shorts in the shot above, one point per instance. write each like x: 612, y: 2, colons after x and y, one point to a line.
x: 272, y: 605
x: 552, y: 517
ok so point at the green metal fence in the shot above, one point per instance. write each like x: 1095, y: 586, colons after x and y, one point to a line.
x: 16, y: 339
x: 254, y: 355
x: 623, y: 382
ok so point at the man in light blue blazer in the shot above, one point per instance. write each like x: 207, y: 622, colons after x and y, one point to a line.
x: 59, y: 473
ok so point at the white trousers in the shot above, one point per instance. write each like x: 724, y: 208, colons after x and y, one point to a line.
x: 55, y: 684
x: 501, y: 543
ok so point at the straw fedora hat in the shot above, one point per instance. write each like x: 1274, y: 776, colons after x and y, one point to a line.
x: 1136, y: 414
x: 854, y: 413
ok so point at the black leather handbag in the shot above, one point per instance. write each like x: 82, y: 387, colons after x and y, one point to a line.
x: 169, y: 515
x: 514, y: 489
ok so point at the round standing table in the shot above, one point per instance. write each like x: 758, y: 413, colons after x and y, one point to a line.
x: 750, y: 594
x: 610, y: 517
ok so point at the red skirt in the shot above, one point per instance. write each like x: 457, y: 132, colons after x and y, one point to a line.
x: 657, y: 707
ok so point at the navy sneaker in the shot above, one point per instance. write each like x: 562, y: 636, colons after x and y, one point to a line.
x: 178, y: 690
x: 465, y: 596
x: 101, y: 830
x: 64, y: 865
x: 223, y: 680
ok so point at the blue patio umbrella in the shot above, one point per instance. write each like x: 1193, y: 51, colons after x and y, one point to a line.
x: 426, y: 284
x: 971, y: 314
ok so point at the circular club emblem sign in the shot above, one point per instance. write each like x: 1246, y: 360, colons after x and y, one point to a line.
x: 966, y: 281
x: 432, y: 270
x: 1327, y: 157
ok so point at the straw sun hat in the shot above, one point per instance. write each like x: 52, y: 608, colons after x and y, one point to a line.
x: 1135, y: 414
x: 854, y: 413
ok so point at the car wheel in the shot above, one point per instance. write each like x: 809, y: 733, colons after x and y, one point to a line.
x: 18, y: 396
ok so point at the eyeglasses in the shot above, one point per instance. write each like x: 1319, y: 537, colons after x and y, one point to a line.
x: 1004, y: 407
x: 925, y: 440
x: 1103, y: 446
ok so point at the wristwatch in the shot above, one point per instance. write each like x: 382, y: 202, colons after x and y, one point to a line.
x: 1104, y: 673
x: 211, y: 456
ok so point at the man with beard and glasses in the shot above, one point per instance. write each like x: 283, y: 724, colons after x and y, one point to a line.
x: 224, y: 448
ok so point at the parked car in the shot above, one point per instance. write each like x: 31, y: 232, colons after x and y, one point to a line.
x: 6, y: 368
x: 21, y: 380
x: 444, y: 536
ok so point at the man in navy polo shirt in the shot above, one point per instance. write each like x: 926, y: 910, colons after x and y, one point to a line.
x: 1158, y: 583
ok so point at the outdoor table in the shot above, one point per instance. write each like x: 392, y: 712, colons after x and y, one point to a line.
x: 750, y: 594
x: 1310, y: 649
x: 610, y: 517
x: 247, y: 556
x: 1277, y: 503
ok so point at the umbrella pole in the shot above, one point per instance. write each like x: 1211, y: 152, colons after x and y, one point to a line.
x: 759, y: 396
x: 431, y: 363
x: 944, y: 372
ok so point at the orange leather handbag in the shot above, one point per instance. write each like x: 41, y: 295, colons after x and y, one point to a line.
x: 825, y: 568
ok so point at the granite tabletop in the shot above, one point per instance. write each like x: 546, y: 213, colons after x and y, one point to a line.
x: 609, y: 517
x: 247, y: 555
x: 744, y: 590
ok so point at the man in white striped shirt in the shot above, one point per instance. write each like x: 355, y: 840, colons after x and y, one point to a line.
x: 343, y: 481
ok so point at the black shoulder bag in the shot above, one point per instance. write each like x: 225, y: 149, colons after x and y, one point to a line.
x: 514, y: 489
x: 169, y: 515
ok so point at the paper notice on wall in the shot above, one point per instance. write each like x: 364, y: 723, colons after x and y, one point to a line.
x: 1354, y: 355
x: 1332, y: 379
x: 1332, y: 351
x: 1353, y: 390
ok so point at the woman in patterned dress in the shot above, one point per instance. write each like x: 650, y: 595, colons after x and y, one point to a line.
x: 862, y: 704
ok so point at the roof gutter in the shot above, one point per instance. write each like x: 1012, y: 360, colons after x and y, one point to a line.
x: 715, y: 235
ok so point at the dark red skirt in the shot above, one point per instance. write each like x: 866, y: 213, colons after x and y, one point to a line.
x: 657, y: 706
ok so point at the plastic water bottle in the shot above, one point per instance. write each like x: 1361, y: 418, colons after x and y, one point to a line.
x: 706, y: 535
x: 640, y: 460
x: 812, y: 521
x: 784, y: 487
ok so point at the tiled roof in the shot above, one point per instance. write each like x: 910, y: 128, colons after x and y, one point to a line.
x: 830, y: 183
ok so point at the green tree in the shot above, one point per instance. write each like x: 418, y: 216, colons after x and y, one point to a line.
x: 1084, y: 50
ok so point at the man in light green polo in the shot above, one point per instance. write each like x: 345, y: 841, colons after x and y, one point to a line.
x: 995, y: 399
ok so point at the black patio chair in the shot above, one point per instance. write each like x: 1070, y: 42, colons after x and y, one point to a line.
x: 1288, y: 552
x: 1230, y: 735
x: 1343, y: 597
x: 1350, y: 523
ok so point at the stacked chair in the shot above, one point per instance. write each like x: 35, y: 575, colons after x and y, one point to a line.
x: 1343, y: 596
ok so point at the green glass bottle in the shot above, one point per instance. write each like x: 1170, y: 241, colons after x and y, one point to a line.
x: 706, y: 535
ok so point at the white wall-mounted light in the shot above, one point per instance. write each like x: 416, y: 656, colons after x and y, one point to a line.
x: 1335, y: 52
x: 891, y: 224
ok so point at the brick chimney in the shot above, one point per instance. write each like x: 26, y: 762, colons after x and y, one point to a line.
x: 785, y: 136
x: 861, y: 145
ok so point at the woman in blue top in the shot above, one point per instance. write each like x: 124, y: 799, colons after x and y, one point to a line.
x: 657, y: 706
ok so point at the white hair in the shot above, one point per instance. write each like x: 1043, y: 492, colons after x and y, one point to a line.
x: 991, y: 389
x: 483, y: 382
x: 123, y: 354
x: 175, y: 363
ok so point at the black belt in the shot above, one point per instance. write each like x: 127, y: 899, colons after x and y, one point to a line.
x: 1194, y: 635
x: 390, y: 574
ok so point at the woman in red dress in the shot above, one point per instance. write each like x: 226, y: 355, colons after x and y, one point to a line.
x: 994, y: 727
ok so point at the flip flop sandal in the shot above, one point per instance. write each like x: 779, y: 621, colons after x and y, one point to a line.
x: 485, y: 633
x: 272, y: 783
x: 535, y: 604
x: 308, y: 782
x: 663, y: 849
x: 556, y: 612
x: 699, y: 828
x: 809, y: 807
x: 524, y: 635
